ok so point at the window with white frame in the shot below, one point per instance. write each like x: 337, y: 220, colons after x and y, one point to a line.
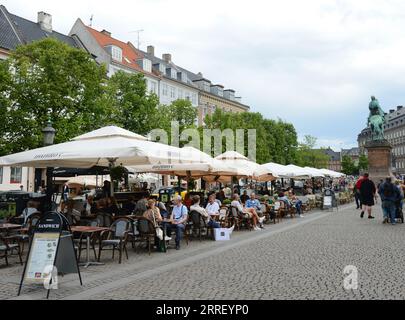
x: 116, y: 53
x: 152, y: 87
x: 194, y: 98
x: 172, y: 92
x: 164, y: 89
x: 15, y: 175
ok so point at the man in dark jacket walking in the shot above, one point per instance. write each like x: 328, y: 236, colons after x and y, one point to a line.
x: 389, y: 194
x: 367, y: 194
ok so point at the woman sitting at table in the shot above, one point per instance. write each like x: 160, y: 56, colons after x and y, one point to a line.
x: 32, y: 207
x: 153, y: 214
x: 248, y: 212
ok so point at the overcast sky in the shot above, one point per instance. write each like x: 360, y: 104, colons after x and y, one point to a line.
x: 314, y: 63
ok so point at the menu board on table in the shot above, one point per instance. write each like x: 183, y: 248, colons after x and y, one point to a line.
x: 42, y: 256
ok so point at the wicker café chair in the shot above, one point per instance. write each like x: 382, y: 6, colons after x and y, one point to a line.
x: 115, y: 238
x: 7, y: 246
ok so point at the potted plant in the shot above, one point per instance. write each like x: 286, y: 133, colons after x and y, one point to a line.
x: 117, y: 175
x: 227, y: 202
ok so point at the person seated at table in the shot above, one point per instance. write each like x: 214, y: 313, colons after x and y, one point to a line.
x: 204, y: 213
x: 252, y: 202
x: 178, y: 220
x: 212, y: 205
x: 129, y: 205
x: 101, y: 205
x: 71, y: 213
x: 141, y: 205
x: 244, y: 197
x: 283, y: 197
x: 221, y: 195
x: 247, y: 212
x: 297, y: 203
x: 90, y: 207
x: 153, y: 214
x: 32, y: 207
x: 162, y: 207
x: 112, y: 206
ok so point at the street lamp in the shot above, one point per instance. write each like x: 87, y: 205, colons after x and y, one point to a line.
x: 48, y: 139
x: 49, y: 134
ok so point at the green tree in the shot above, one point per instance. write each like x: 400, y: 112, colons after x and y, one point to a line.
x: 307, y: 155
x: 44, y: 80
x: 363, y: 163
x: 348, y: 166
x: 133, y: 107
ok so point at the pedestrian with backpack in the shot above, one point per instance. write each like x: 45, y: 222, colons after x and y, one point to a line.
x: 389, y: 194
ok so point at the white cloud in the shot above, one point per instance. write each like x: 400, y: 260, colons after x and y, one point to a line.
x: 314, y: 63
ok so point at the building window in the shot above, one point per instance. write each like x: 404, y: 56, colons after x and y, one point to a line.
x: 116, y: 53
x: 194, y: 98
x: 180, y: 94
x: 152, y: 86
x: 173, y: 92
x: 1, y: 175
x: 164, y: 89
x: 15, y: 175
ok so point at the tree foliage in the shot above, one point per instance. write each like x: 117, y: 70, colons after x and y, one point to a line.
x: 44, y: 80
x: 348, y: 166
x: 308, y: 156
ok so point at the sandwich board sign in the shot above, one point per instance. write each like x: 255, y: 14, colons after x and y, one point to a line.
x: 51, y: 251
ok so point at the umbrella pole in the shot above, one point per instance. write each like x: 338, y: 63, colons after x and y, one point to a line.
x: 49, y: 188
x: 111, y: 164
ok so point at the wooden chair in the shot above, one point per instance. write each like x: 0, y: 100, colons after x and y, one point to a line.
x: 116, y: 237
x: 147, y: 232
x: 199, y: 223
x: 7, y: 246
x: 241, y: 219
x: 279, y: 210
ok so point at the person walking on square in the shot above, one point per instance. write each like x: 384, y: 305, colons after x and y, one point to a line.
x: 367, y: 194
x: 389, y: 194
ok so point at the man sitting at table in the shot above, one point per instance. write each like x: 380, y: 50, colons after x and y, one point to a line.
x: 178, y: 219
x: 212, y: 205
x: 248, y: 212
x: 204, y: 213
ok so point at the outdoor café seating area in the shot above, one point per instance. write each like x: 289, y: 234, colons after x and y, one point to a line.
x: 108, y: 226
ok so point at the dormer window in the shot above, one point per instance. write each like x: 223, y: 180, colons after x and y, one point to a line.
x: 116, y: 53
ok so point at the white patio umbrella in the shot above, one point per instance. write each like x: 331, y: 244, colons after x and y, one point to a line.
x: 206, y: 166
x: 316, y: 173
x: 278, y: 169
x: 246, y: 167
x: 100, y: 147
x: 299, y: 172
x: 332, y: 174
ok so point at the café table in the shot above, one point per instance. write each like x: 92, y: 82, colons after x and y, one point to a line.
x: 89, y: 232
x: 9, y: 226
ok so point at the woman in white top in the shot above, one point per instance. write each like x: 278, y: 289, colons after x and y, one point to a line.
x: 250, y: 212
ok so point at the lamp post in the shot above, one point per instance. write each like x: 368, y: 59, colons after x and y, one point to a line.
x: 48, y: 139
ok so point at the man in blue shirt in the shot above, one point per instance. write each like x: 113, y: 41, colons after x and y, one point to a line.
x: 253, y: 203
x: 178, y: 221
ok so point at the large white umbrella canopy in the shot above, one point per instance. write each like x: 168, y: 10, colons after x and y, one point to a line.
x: 246, y: 167
x: 100, y: 147
x: 279, y: 170
x: 299, y: 172
x: 332, y: 174
x: 206, y: 166
x: 316, y: 173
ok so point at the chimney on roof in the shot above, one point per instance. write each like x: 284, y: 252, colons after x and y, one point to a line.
x: 399, y: 108
x: 151, y: 50
x: 392, y: 111
x: 45, y: 21
x: 200, y: 74
x: 167, y: 57
x: 105, y: 32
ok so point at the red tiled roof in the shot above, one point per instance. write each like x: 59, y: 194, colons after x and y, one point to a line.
x: 127, y: 51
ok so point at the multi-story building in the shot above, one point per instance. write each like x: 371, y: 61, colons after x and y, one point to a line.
x: 14, y: 31
x: 334, y: 162
x: 394, y: 132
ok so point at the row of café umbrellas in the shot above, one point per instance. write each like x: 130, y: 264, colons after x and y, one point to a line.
x: 112, y: 145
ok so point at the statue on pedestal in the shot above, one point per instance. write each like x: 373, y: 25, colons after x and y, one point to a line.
x: 376, y: 120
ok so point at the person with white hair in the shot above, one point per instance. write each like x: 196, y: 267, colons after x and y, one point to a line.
x: 178, y: 220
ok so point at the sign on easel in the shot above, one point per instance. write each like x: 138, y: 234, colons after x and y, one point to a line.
x: 329, y: 200
x: 51, y: 252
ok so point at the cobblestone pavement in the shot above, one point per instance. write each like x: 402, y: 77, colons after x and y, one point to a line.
x: 296, y: 259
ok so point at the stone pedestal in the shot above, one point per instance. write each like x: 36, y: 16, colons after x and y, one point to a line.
x: 379, y: 160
